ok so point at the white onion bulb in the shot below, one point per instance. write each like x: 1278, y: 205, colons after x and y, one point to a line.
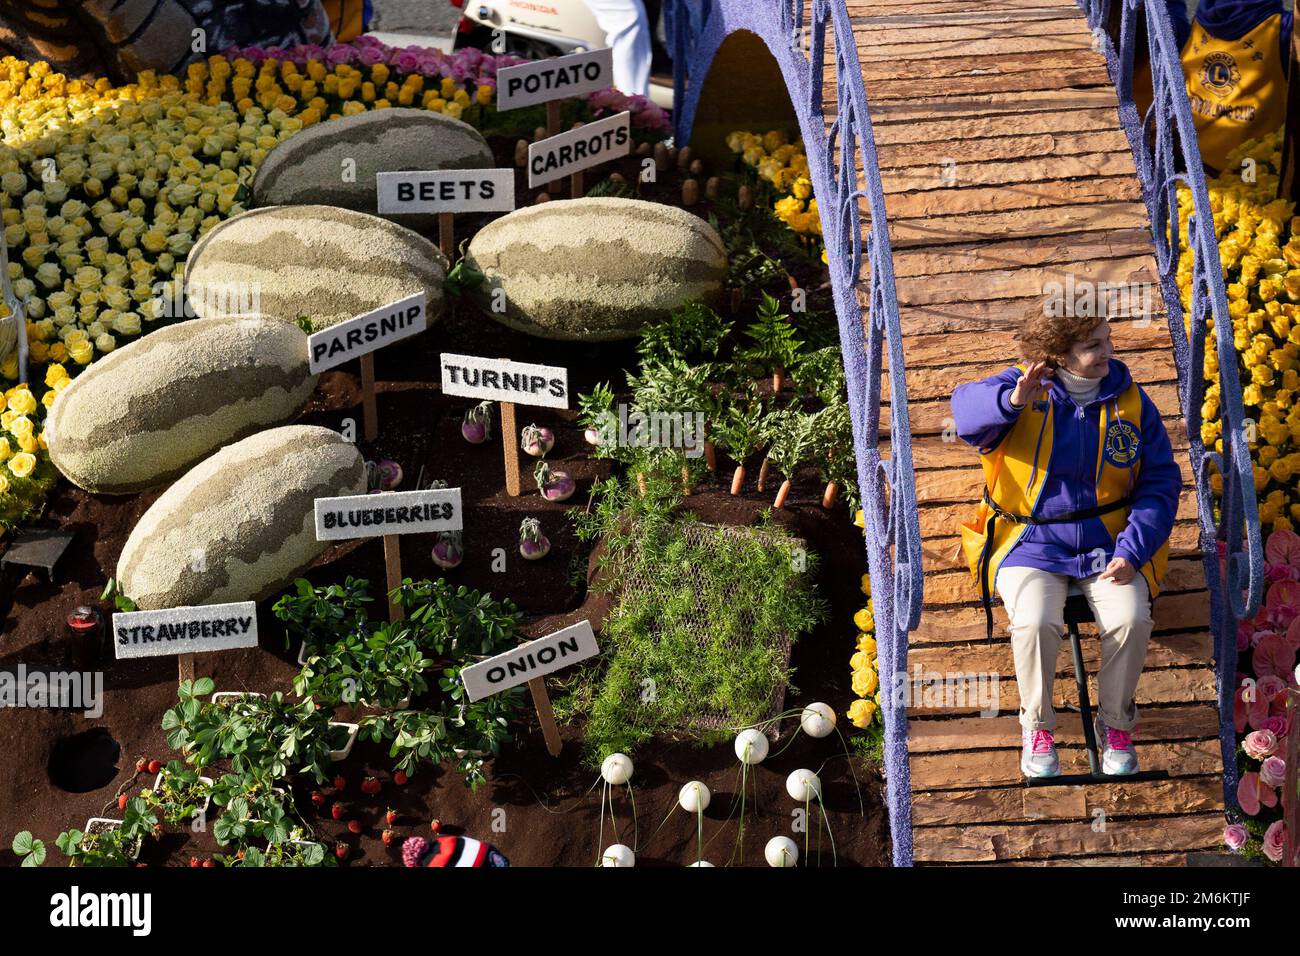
x: 617, y: 769
x: 700, y: 863
x: 803, y: 785
x: 694, y: 797
x: 817, y: 720
x: 618, y: 855
x: 751, y: 746
x: 781, y: 851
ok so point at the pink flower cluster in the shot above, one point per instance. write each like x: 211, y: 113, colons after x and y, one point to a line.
x: 468, y: 65
x: 1272, y: 640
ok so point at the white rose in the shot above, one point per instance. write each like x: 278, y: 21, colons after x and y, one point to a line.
x: 105, y: 342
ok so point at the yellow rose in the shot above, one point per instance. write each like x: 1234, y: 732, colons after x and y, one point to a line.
x: 22, y: 464
x: 82, y: 352
x: 21, y: 427
x: 860, y: 661
x: 864, y: 682
x: 4, y: 485
x: 484, y: 95
x: 867, y: 643
x: 866, y: 584
x: 862, y: 713
x: 864, y: 620
x: 5, y: 449
x: 859, y: 519
x: 22, y: 401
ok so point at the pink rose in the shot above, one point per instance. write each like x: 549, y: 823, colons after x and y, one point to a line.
x: 1260, y: 744
x: 1275, y: 724
x: 1235, y: 836
x: 1275, y: 841
x: 342, y: 53
x: 369, y: 55
x: 408, y: 61
x: 1272, y: 771
x: 428, y: 62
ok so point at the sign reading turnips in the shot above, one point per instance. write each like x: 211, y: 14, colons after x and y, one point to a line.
x: 530, y: 661
x: 185, y: 630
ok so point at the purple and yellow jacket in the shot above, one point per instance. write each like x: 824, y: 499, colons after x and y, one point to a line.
x: 1101, y: 479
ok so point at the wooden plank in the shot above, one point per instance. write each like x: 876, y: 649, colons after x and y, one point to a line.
x: 933, y: 452
x: 976, y: 63
x: 974, y: 225
x: 974, y: 129
x: 958, y: 175
x: 896, y: 156
x: 1178, y: 721
x: 955, y: 586
x: 1042, y: 841
x: 868, y: 9
x: 902, y: 38
x: 966, y: 485
x: 966, y: 770
x: 884, y: 90
x: 1032, y: 804
x: 926, y: 383
x: 921, y: 351
x: 1128, y: 859
x: 1186, y: 649
x: 971, y: 105
x: 1029, y: 196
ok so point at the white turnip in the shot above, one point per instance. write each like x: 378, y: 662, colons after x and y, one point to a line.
x: 817, y: 719
x: 537, y: 440
x: 532, y: 543
x: 449, y: 550
x: 477, y: 426
x: 553, y: 485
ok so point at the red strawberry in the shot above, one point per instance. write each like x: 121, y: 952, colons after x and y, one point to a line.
x: 390, y: 817
x: 318, y: 798
x: 155, y: 766
x: 209, y: 864
x: 141, y: 864
x: 354, y: 826
x: 341, y: 851
x: 158, y: 830
x: 121, y: 802
x: 340, y: 782
x: 388, y: 837
x: 400, y: 778
x: 141, y: 765
x: 336, y: 811
x: 371, y: 786
x: 194, y: 861
x: 436, y: 826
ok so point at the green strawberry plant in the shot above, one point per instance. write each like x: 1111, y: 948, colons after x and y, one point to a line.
x: 29, y: 849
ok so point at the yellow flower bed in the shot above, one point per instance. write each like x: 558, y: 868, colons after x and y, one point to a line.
x: 784, y: 166
x: 865, y: 711
x: 1259, y: 249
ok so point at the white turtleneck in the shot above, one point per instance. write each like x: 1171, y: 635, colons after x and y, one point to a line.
x: 1082, y: 390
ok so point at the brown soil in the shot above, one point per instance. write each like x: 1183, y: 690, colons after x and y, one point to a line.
x: 550, y: 809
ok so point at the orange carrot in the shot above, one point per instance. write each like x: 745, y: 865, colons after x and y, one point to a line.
x: 762, y: 473
x: 710, y: 456
x: 778, y: 379
x: 737, y: 479
x: 782, y: 494
x: 832, y: 492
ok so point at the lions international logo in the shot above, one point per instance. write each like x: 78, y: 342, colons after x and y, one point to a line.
x: 1219, y: 74
x: 1123, y: 444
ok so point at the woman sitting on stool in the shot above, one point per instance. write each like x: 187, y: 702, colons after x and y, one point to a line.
x: 1070, y: 442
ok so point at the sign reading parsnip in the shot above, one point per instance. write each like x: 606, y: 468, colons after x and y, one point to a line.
x: 501, y: 380
x: 397, y: 512
x: 185, y: 630
x: 543, y: 80
x: 578, y: 149
x: 534, y: 659
x: 337, y: 344
x: 446, y: 191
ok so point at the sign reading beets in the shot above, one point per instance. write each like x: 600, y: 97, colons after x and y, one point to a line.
x: 580, y: 148
x: 446, y: 191
x: 395, y: 512
x: 366, y: 333
x: 543, y: 80
x: 185, y: 630
x: 501, y: 380
x: 527, y: 661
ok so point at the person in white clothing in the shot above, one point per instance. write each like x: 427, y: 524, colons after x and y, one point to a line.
x: 627, y: 31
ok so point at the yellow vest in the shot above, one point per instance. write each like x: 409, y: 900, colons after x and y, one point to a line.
x: 345, y: 18
x: 1236, y: 87
x: 1015, y: 472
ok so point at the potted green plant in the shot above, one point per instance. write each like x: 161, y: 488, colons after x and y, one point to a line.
x: 106, y: 842
x: 179, y: 794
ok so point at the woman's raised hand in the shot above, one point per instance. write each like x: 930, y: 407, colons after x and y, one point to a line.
x: 1031, y: 385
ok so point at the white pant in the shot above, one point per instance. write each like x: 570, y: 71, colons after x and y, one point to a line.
x: 1035, y: 603
x: 627, y: 31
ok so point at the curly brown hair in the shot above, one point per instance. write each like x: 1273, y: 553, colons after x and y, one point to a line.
x: 1047, y: 338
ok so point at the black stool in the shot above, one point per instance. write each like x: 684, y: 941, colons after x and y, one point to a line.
x: 1077, y: 611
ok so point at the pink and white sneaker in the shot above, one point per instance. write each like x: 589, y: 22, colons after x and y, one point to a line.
x: 1119, y: 756
x: 1038, y: 754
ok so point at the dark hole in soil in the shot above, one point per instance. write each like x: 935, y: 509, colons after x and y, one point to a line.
x: 84, y: 761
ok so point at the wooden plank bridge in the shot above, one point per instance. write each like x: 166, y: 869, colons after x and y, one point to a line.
x: 1005, y: 168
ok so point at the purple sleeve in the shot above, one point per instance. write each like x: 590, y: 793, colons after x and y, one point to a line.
x: 1155, y: 496
x: 982, y: 412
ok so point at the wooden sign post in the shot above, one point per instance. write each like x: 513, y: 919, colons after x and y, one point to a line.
x: 529, y: 663
x: 446, y: 192
x: 361, y: 337
x: 571, y: 152
x: 549, y: 81
x: 184, y: 631
x: 388, y: 515
x: 506, y: 382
